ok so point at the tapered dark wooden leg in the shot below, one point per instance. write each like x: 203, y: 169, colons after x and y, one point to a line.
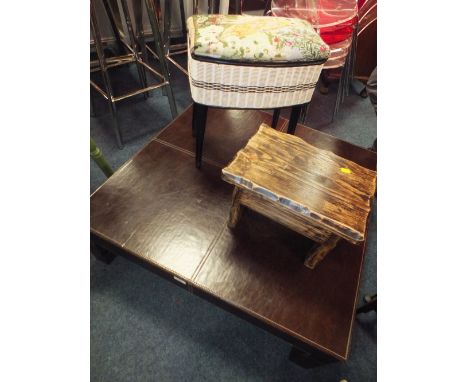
x: 276, y: 115
x: 199, y: 119
x: 371, y: 304
x: 309, y: 360
x: 102, y: 254
x: 295, y: 113
x: 194, y: 121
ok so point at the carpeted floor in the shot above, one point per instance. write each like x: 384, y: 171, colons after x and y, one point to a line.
x: 176, y: 336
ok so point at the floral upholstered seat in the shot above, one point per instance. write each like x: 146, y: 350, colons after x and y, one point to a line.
x: 255, y: 39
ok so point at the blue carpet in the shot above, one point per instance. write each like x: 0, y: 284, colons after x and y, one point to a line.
x: 175, y: 336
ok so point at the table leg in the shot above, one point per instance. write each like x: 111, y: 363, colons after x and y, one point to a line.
x: 236, y: 208
x: 371, y: 304
x: 319, y: 253
x: 309, y: 360
x: 102, y: 254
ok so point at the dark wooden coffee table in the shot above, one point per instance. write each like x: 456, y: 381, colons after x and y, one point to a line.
x: 161, y: 212
x: 312, y: 191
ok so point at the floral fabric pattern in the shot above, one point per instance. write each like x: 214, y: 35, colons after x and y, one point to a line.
x: 255, y: 38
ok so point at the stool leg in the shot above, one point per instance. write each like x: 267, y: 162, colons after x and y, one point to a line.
x: 167, y: 26
x: 105, y: 76
x: 276, y: 115
x: 140, y: 39
x: 92, y: 106
x: 199, y: 119
x: 194, y: 122
x: 134, y: 46
x: 295, y: 113
x: 182, y: 16
x: 339, y: 93
x: 113, y: 22
x: 319, y: 253
x: 267, y: 7
x: 151, y: 10
x: 236, y: 208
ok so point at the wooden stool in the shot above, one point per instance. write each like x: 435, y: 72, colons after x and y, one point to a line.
x: 312, y: 191
x: 251, y: 62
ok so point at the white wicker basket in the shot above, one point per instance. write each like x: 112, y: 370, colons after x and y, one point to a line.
x: 251, y: 87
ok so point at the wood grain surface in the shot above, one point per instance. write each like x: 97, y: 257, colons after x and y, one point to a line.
x: 332, y: 191
x: 283, y: 215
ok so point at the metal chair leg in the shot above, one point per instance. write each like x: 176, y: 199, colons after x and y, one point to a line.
x: 133, y: 44
x: 338, y: 94
x: 352, y: 61
x: 140, y: 38
x: 182, y: 17
x: 138, y: 12
x: 150, y: 7
x: 116, y: 24
x: 167, y: 26
x: 92, y: 106
x: 166, y: 39
x: 105, y: 76
x: 195, y: 7
x: 267, y: 7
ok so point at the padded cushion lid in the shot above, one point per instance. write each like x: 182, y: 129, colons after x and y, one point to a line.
x: 259, y: 39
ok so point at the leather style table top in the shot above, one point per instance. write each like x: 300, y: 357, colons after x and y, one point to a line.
x: 162, y: 210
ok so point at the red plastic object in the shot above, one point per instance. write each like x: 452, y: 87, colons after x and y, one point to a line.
x: 333, y: 19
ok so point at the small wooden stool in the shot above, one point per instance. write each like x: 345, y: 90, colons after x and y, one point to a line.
x: 312, y: 191
x: 251, y: 62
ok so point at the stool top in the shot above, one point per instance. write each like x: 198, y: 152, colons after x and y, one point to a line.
x: 256, y: 39
x: 333, y: 192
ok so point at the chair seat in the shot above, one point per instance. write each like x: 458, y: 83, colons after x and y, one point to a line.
x: 255, y: 39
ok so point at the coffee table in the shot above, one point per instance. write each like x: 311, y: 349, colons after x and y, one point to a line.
x: 161, y: 212
x: 314, y: 192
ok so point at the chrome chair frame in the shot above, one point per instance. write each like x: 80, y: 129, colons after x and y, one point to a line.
x: 133, y: 55
x: 176, y: 49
